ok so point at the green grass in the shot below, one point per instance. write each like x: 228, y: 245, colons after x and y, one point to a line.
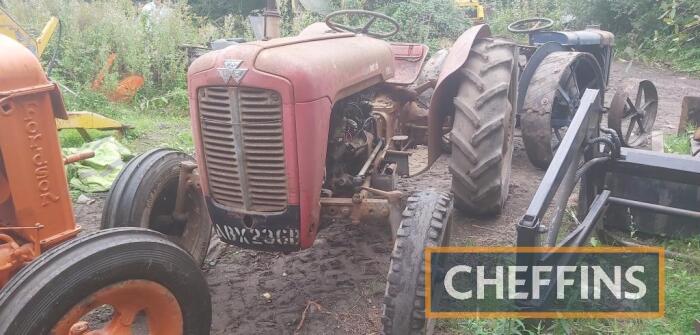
x: 497, y: 326
x: 162, y: 122
x: 679, y: 144
x: 682, y: 307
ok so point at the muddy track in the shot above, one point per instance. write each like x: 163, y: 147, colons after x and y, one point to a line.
x: 266, y: 293
x: 340, y: 281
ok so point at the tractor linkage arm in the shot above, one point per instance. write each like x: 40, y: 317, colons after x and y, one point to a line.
x: 581, y: 158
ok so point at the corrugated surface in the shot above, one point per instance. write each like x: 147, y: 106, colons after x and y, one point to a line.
x: 243, y: 147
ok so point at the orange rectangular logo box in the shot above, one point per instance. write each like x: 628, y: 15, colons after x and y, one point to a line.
x: 602, y: 253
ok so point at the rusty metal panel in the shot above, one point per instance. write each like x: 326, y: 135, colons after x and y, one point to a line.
x: 408, y: 62
x: 327, y: 65
x: 243, y: 147
x: 34, y: 186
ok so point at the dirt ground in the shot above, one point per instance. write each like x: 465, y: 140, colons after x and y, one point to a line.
x: 337, y: 286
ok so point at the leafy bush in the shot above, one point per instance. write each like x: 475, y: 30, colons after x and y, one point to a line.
x: 91, y: 31
x: 666, y: 31
x: 436, y: 23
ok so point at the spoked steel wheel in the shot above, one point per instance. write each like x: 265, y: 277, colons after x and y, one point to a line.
x: 112, y: 282
x: 633, y: 120
x: 551, y: 100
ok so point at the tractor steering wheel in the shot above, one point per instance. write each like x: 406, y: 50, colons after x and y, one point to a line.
x: 531, y: 25
x: 373, y: 16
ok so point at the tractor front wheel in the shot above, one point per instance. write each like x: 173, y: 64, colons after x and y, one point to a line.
x: 145, y: 193
x: 425, y: 224
x: 115, y: 281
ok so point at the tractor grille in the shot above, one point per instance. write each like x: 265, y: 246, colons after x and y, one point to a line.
x: 243, y: 147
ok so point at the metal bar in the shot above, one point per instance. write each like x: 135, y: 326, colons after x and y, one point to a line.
x: 657, y: 165
x: 573, y: 141
x: 570, y: 148
x: 655, y: 208
x: 575, y: 239
x: 186, y: 168
x: 583, y: 231
x: 370, y: 160
x: 560, y: 203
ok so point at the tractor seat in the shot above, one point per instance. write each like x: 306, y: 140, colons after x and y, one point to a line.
x: 408, y: 62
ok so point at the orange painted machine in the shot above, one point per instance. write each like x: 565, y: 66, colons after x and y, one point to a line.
x: 50, y: 279
x: 30, y: 189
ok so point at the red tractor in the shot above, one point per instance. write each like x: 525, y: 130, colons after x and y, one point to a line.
x: 292, y: 133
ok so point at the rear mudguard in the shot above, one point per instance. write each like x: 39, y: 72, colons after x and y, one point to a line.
x: 446, y: 88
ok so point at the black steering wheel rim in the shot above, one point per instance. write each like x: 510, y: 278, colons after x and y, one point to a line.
x: 516, y: 29
x: 365, y: 29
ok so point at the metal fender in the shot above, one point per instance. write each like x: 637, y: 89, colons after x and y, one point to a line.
x: 446, y: 88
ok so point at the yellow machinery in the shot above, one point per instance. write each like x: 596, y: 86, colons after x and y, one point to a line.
x: 37, y: 45
x: 10, y: 27
x: 475, y: 9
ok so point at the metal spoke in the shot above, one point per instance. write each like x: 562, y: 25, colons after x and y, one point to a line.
x: 632, y: 107
x: 630, y: 110
x: 347, y: 28
x: 572, y: 75
x: 559, y: 137
x: 629, y: 131
x: 565, y: 95
x: 365, y: 29
x: 640, y: 94
x: 640, y: 122
x: 557, y: 134
x: 647, y: 104
x: 578, y: 90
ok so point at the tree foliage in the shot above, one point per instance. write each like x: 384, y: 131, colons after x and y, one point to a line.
x: 215, y: 9
x: 657, y: 30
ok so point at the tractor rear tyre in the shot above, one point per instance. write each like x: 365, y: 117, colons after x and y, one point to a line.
x: 482, y: 135
x: 425, y: 223
x: 144, y: 196
x: 150, y: 284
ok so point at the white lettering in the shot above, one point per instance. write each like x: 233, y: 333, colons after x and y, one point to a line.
x: 449, y: 278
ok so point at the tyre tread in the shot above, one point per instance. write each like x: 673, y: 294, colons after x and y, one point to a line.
x: 483, y: 109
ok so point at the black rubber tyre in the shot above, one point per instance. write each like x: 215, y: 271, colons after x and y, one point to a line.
x: 543, y: 103
x: 39, y: 295
x: 425, y: 223
x: 482, y: 135
x: 144, y: 196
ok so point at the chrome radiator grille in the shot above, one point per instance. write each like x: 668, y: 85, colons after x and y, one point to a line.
x: 243, y: 147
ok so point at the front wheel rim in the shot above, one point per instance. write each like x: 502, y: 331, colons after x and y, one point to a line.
x: 128, y: 299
